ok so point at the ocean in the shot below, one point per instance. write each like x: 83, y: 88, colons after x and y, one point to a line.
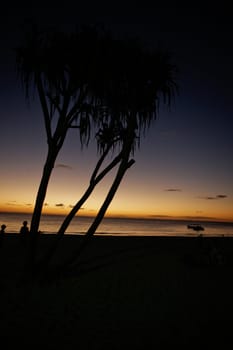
x: 118, y: 226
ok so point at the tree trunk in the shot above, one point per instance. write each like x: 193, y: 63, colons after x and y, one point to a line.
x: 95, y: 179
x: 125, y: 164
x: 36, y: 216
x: 50, y: 253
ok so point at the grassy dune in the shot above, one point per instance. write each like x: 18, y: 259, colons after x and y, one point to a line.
x: 130, y: 292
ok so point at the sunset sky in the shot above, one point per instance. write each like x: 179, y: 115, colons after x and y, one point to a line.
x: 184, y: 167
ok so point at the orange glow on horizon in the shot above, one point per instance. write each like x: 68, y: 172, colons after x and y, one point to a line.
x: 121, y: 214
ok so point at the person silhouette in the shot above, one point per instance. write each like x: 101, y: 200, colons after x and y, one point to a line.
x: 2, y: 233
x: 24, y: 230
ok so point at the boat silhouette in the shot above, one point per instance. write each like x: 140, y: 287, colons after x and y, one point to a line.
x: 196, y: 227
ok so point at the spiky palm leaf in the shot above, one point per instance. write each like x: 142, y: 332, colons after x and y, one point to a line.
x: 131, y: 81
x: 62, y: 63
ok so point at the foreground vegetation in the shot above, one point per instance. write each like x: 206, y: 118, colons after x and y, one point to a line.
x: 128, y: 291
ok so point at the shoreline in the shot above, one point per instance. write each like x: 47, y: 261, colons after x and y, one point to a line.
x: 132, y: 235
x: 102, y: 243
x: 121, y: 226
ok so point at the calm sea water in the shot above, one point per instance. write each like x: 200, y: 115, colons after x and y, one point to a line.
x: 123, y: 226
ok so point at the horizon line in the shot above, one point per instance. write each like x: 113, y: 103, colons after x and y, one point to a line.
x: 135, y: 217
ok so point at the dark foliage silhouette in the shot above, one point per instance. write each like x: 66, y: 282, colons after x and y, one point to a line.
x: 93, y: 82
x: 130, y: 82
x: 61, y: 67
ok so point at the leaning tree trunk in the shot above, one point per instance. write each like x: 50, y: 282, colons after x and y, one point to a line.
x: 41, y: 194
x: 95, y: 179
x: 124, y: 165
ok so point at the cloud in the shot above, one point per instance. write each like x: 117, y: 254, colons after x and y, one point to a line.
x: 200, y: 217
x: 211, y: 198
x: 12, y: 203
x: 17, y: 204
x: 72, y: 206
x: 159, y: 216
x: 173, y: 190
x: 63, y: 166
x: 59, y: 205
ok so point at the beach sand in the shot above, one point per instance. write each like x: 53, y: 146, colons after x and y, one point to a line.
x: 129, y: 293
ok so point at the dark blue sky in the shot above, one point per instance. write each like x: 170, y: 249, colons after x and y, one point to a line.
x: 189, y: 148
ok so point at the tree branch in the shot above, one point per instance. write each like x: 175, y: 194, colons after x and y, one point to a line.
x: 44, y: 108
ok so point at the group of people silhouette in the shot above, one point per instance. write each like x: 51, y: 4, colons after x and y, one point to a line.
x: 24, y: 230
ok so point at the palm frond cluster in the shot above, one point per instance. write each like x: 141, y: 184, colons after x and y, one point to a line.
x: 131, y: 81
x: 91, y: 81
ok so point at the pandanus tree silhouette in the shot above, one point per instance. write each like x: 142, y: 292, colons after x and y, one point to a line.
x: 132, y: 81
x: 90, y: 81
x: 60, y: 67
